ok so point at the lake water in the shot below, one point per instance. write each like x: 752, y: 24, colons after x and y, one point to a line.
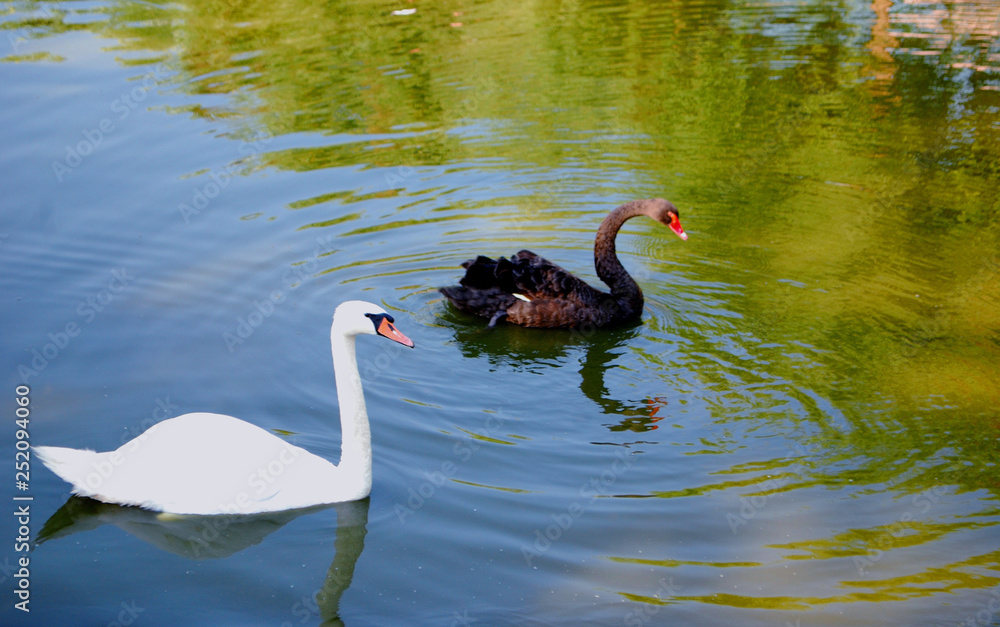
x: 803, y: 429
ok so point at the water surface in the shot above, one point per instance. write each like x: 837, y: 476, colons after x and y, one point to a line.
x: 802, y: 430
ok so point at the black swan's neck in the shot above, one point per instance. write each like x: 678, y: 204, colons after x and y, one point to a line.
x: 625, y: 290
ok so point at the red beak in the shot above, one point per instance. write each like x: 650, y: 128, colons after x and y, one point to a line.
x: 389, y: 330
x: 675, y: 226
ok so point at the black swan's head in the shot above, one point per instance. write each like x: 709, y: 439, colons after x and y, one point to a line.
x: 664, y: 211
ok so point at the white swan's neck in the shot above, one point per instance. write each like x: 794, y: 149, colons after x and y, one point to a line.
x: 356, y: 447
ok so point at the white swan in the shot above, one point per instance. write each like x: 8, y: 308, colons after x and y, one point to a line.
x: 213, y: 464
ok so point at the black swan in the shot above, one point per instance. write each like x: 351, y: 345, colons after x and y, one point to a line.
x: 529, y: 291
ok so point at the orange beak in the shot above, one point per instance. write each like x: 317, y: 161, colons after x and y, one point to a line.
x: 389, y: 330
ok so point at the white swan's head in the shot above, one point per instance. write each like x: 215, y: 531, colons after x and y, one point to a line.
x: 357, y: 317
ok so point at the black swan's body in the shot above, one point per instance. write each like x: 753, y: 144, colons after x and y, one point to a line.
x: 532, y: 292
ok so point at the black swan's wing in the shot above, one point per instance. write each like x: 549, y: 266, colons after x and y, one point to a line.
x: 533, y: 290
x: 479, y: 294
x: 536, y: 278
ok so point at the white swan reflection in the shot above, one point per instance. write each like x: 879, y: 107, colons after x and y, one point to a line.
x: 213, y: 537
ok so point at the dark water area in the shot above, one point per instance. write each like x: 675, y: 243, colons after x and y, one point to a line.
x: 802, y: 429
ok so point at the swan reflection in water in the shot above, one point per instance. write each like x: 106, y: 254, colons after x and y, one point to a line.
x: 219, y: 536
x: 531, y: 350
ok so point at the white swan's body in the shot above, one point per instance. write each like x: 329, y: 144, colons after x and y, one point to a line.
x: 213, y: 464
